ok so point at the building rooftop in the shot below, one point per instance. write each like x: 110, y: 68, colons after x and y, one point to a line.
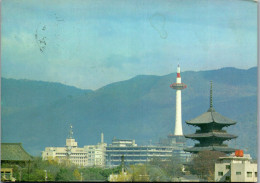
x: 14, y: 152
x: 234, y: 157
x: 211, y: 117
x: 210, y: 148
x: 211, y: 134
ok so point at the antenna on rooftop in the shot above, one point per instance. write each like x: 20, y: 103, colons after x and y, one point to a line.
x: 70, y: 132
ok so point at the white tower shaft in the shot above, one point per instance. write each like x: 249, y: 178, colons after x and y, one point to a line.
x: 178, y: 119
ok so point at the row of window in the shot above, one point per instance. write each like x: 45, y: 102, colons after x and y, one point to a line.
x: 136, y: 149
x: 139, y: 153
x: 79, y: 154
x: 76, y: 154
x: 77, y: 157
x: 248, y: 174
x: 79, y: 161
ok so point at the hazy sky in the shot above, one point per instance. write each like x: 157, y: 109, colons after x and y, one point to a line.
x: 89, y: 44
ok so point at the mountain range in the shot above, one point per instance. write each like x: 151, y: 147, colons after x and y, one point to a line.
x: 39, y: 114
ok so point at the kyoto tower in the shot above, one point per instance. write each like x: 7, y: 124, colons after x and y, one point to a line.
x: 178, y: 86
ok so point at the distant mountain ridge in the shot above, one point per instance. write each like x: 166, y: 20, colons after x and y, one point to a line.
x: 38, y: 113
x: 21, y: 94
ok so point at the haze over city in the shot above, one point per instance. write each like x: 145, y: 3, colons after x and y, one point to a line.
x: 89, y: 44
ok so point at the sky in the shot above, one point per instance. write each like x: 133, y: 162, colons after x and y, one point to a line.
x: 91, y: 43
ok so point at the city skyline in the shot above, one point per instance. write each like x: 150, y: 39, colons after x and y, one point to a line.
x: 89, y: 44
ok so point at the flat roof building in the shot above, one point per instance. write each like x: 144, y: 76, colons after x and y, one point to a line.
x: 134, y: 154
x: 236, y: 169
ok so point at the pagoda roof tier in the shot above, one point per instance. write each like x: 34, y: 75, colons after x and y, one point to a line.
x: 210, y: 148
x: 210, y: 135
x: 211, y: 116
x: 14, y: 152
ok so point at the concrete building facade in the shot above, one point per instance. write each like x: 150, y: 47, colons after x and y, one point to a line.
x: 90, y: 155
x: 236, y: 169
x: 96, y: 154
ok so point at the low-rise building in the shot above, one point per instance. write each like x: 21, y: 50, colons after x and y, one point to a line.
x: 13, y: 153
x: 134, y: 154
x: 236, y: 168
x: 90, y: 155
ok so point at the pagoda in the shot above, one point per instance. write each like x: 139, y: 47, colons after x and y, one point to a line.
x: 210, y: 135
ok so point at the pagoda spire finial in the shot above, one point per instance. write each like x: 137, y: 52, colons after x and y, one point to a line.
x: 211, y: 103
x: 211, y: 109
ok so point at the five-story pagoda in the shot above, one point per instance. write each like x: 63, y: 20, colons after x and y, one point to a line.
x: 210, y: 135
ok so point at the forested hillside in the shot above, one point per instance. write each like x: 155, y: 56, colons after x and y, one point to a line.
x: 38, y: 113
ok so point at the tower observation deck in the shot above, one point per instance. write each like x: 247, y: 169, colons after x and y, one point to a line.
x: 176, y: 140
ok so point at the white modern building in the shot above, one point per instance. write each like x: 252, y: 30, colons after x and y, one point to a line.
x: 96, y: 153
x: 236, y: 169
x: 90, y: 155
x: 134, y: 154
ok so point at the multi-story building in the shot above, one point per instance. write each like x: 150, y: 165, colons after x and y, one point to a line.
x: 91, y: 155
x: 236, y: 168
x: 134, y: 154
x: 96, y: 153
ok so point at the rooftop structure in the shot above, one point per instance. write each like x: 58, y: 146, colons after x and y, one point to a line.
x: 210, y: 135
x: 14, y: 152
x: 123, y: 143
x: 236, y: 168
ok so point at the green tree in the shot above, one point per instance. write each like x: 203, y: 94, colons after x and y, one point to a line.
x: 37, y: 175
x: 64, y: 174
x: 93, y: 173
x: 203, y: 164
x: 171, y: 167
x: 76, y: 174
x: 139, y: 173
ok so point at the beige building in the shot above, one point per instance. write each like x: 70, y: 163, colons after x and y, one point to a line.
x: 96, y: 153
x: 236, y: 169
x: 90, y: 155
